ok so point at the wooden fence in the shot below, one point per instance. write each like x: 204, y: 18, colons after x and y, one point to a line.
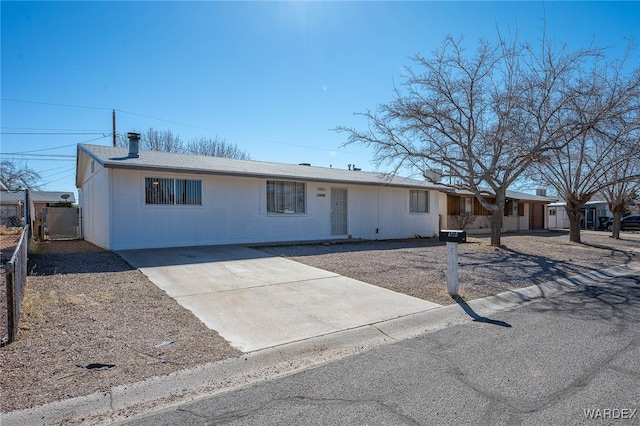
x: 16, y: 278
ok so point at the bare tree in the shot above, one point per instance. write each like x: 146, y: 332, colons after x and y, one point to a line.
x: 602, y: 158
x: 484, y: 117
x: 625, y: 187
x: 621, y: 197
x: 216, y: 147
x: 18, y: 176
x: 156, y: 140
x: 167, y: 141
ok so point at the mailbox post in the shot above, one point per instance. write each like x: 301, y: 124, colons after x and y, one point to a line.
x: 452, y: 238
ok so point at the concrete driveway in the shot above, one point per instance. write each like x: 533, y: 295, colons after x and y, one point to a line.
x: 256, y: 301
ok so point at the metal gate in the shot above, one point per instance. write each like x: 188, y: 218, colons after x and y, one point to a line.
x: 338, y: 211
x: 60, y: 223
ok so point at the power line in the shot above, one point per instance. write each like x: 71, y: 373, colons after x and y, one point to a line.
x: 167, y: 121
x: 55, y: 168
x: 66, y: 170
x: 59, y: 179
x: 108, y: 109
x: 39, y: 155
x: 43, y: 159
x: 53, y: 104
x: 29, y: 153
x: 52, y: 133
x: 47, y: 129
x: 46, y: 149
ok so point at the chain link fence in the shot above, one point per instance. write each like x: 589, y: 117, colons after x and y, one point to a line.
x: 14, y: 275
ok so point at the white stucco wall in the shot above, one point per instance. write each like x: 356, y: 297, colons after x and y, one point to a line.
x: 233, y: 211
x: 442, y: 209
x: 517, y: 223
x: 559, y: 219
x: 94, y: 202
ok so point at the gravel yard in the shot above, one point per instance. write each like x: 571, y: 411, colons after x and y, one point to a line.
x: 417, y: 267
x: 86, y: 306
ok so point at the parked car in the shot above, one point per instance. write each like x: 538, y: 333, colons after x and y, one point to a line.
x: 628, y: 223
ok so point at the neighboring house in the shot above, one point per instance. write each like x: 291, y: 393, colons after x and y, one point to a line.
x: 41, y: 201
x: 132, y: 199
x: 522, y: 212
x: 12, y: 211
x: 12, y: 208
x: 594, y: 214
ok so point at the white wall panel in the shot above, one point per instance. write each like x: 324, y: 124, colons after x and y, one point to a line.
x: 233, y: 211
x: 95, y: 206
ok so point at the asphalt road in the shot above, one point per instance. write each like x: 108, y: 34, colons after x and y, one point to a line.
x: 573, y: 358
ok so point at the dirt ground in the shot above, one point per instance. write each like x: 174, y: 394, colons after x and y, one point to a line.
x: 8, y: 244
x: 9, y: 239
x: 417, y: 267
x: 84, y: 307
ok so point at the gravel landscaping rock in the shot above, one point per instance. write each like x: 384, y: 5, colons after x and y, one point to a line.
x: 84, y: 306
x: 418, y: 267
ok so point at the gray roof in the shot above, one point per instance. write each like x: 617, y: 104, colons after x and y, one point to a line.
x: 37, y: 196
x: 522, y: 196
x: 52, y: 197
x: 588, y: 203
x: 511, y: 195
x: 7, y: 197
x: 117, y: 157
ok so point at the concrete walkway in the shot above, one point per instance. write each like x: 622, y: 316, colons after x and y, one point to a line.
x: 256, y: 301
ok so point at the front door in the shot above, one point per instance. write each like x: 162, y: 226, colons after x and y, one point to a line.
x: 536, y: 216
x: 339, y: 211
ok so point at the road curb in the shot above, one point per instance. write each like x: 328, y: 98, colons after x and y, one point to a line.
x: 164, y: 392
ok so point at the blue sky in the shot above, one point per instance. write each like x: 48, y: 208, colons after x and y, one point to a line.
x: 272, y: 77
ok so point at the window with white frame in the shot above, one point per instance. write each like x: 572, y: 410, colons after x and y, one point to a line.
x: 285, y: 197
x: 419, y: 201
x: 172, y: 191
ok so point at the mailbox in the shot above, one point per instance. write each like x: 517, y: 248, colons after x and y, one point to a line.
x: 453, y: 236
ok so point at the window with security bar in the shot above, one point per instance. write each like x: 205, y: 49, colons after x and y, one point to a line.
x: 173, y: 191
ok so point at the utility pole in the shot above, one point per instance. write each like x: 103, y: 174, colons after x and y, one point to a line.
x: 113, y: 122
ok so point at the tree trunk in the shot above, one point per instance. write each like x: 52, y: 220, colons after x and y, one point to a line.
x: 618, y: 209
x: 574, y: 213
x: 496, y: 227
x: 615, y: 232
x: 496, y: 219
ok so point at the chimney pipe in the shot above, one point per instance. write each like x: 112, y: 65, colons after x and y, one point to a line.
x: 134, y: 139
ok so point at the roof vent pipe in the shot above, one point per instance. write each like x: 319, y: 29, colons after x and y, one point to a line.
x: 134, y: 142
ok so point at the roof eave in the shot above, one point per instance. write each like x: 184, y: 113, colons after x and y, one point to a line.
x: 173, y: 169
